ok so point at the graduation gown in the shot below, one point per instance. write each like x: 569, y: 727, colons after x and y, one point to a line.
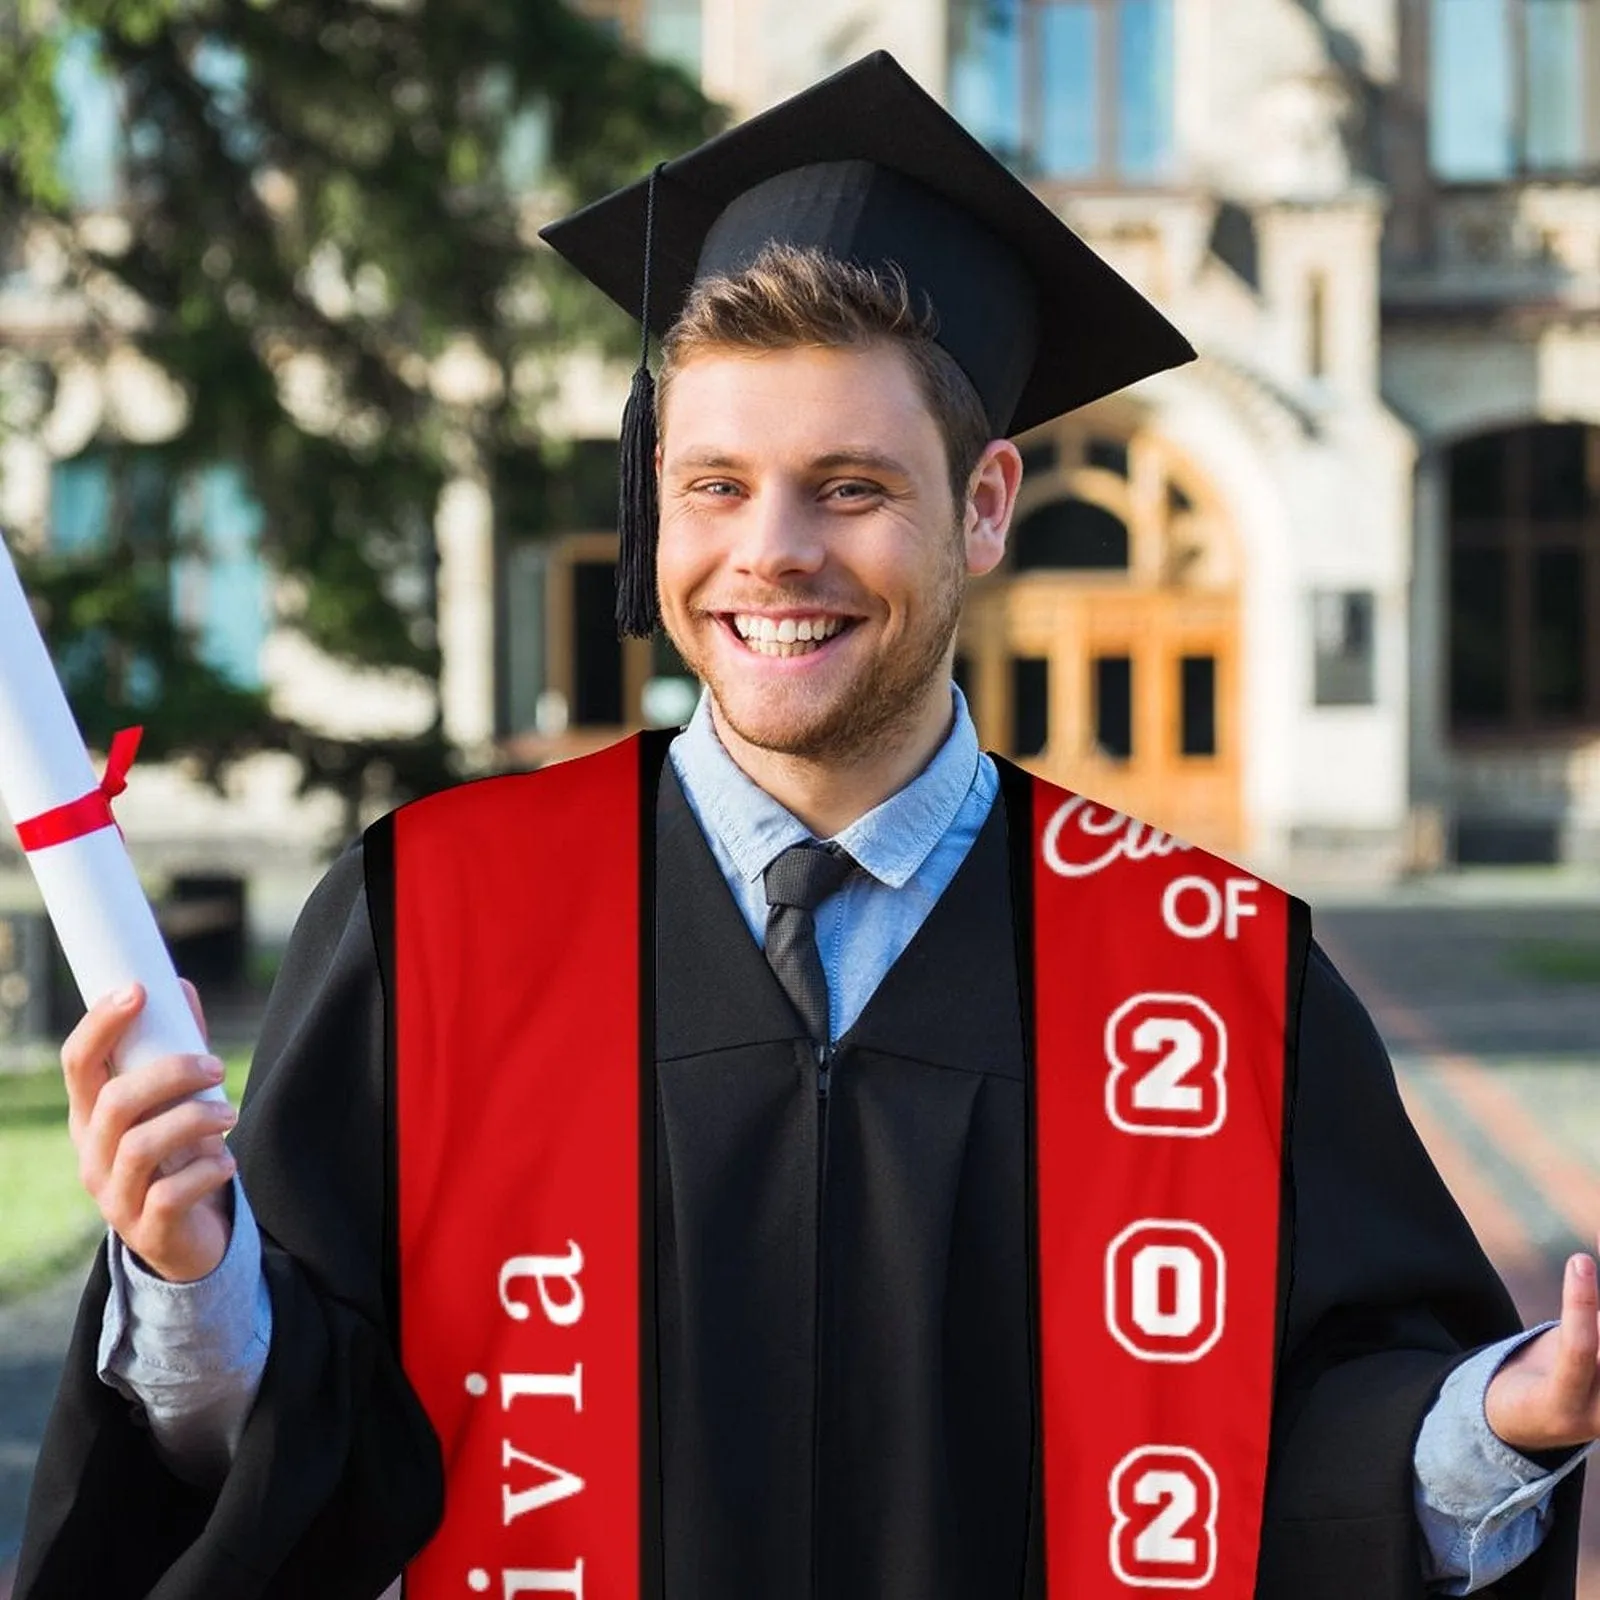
x: 847, y: 1405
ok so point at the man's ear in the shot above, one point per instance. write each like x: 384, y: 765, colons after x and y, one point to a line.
x: 991, y: 501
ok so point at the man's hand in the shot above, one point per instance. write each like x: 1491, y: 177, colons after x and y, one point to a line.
x: 153, y: 1159
x: 1547, y: 1396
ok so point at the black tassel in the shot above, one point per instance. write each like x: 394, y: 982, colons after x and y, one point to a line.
x: 637, y: 607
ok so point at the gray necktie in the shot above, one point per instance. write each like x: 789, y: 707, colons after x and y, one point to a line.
x: 797, y: 883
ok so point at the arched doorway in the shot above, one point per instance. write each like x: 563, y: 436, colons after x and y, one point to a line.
x: 1104, y: 653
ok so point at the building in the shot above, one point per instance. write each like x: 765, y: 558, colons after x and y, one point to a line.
x: 1328, y: 598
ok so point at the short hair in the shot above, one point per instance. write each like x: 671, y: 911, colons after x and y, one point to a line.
x: 790, y: 297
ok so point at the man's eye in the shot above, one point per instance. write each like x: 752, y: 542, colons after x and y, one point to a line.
x: 854, y: 489
x: 718, y: 488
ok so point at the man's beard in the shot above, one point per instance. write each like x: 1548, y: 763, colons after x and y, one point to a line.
x: 877, y: 707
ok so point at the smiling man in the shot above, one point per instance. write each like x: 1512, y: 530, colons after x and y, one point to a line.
x: 819, y: 520
x: 805, y: 1158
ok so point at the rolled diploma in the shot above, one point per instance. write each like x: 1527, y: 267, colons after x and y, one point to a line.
x: 91, y: 891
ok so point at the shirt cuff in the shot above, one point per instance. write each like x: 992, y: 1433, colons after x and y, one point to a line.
x: 1482, y: 1506
x: 190, y: 1355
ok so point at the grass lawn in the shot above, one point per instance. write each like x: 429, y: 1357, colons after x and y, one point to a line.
x: 47, y: 1222
x: 1556, y: 961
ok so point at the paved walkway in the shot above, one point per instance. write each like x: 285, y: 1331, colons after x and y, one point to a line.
x: 33, y: 1338
x: 1498, y: 1070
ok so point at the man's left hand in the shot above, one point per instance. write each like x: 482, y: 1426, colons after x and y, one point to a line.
x: 1547, y: 1395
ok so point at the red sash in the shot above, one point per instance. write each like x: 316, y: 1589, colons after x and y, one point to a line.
x: 522, y: 1066
x: 1160, y: 1011
x: 518, y: 1069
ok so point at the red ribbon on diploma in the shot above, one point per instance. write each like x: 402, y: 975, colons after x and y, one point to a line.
x: 91, y: 812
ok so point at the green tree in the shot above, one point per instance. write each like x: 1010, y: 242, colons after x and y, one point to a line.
x: 320, y: 199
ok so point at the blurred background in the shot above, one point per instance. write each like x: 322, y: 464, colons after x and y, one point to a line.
x: 307, y: 453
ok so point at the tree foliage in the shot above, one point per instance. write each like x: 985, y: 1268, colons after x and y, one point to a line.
x: 326, y: 240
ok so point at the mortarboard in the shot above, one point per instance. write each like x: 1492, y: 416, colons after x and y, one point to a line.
x: 867, y: 167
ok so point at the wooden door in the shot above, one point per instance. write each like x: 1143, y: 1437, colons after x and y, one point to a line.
x: 1120, y: 680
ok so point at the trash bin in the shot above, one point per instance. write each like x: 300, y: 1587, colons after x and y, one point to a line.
x: 203, y: 921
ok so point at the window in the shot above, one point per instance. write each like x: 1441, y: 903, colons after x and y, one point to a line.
x: 668, y: 696
x: 1099, y: 498
x: 1113, y: 707
x: 563, y: 668
x: 217, y: 582
x: 525, y: 154
x: 223, y: 73
x: 110, y: 495
x: 1067, y: 88
x: 961, y: 671
x: 672, y: 31
x: 1344, y: 669
x: 219, y: 591
x: 597, y: 653
x: 1515, y: 88
x: 1197, y: 705
x: 525, y: 128
x: 1040, y: 455
x: 1070, y: 535
x: 1524, y: 580
x: 92, y: 139
x: 1030, y: 705
x: 1317, y: 325
x: 1108, y: 455
x: 98, y: 135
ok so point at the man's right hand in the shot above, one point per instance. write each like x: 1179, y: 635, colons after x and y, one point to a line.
x: 152, y: 1157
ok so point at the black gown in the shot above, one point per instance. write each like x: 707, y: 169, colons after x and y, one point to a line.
x: 846, y: 1403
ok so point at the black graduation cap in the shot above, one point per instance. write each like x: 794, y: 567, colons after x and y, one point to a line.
x: 868, y: 167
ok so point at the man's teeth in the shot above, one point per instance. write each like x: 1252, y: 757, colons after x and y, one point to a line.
x: 793, y: 636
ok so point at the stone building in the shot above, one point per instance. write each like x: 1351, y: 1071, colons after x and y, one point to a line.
x: 1328, y: 598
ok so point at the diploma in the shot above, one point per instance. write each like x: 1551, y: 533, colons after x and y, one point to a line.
x: 63, y: 818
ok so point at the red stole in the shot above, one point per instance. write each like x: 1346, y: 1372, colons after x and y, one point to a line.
x: 522, y: 1060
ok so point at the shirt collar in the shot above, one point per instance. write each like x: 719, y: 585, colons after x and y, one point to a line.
x: 890, y: 842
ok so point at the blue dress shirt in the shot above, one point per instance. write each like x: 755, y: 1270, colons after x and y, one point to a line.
x: 192, y: 1355
x: 909, y: 849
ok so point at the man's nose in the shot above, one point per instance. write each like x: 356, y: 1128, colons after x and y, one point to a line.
x: 777, y: 538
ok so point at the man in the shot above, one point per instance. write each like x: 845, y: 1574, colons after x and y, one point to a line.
x: 997, y: 1234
